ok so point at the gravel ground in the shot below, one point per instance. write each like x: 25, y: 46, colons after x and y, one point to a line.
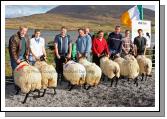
x: 126, y: 94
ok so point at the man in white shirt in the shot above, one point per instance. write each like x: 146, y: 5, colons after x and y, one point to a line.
x: 37, y: 47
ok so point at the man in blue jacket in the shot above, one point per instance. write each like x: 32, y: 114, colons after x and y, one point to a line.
x: 84, y: 45
x: 115, y: 42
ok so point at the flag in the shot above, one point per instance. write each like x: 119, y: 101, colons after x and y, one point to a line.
x: 135, y: 13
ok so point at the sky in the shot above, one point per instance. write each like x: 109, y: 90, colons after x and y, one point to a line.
x: 12, y: 11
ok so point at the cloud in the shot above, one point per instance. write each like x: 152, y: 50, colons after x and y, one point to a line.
x: 25, y: 10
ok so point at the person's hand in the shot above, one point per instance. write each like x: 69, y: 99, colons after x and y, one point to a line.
x: 69, y: 56
x: 18, y: 61
x: 79, y: 55
x: 126, y: 52
x: 26, y: 57
x: 37, y: 58
x: 108, y: 55
x: 98, y: 55
x: 58, y: 56
x: 117, y: 55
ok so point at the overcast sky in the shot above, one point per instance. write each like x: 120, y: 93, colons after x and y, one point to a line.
x: 26, y: 10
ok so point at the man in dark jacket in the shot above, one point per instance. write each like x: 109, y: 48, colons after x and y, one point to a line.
x: 115, y: 42
x: 18, y: 47
x: 63, y: 47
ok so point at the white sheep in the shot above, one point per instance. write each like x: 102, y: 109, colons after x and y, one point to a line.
x: 128, y: 67
x: 93, y: 72
x: 27, y: 78
x: 49, y: 76
x: 110, y: 69
x: 75, y: 73
x: 145, y: 65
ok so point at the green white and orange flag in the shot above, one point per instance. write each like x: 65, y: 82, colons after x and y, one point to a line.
x: 135, y: 13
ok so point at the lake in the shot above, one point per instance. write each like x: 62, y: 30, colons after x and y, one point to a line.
x: 49, y: 35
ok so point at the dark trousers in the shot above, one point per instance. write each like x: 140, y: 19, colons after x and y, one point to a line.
x: 59, y: 63
x: 96, y: 60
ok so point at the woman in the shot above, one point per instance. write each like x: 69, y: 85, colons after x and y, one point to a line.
x: 99, y: 46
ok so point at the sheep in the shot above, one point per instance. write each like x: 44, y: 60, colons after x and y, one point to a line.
x: 145, y: 65
x: 93, y: 72
x: 49, y: 76
x: 27, y: 79
x: 75, y: 73
x: 129, y: 67
x: 110, y: 69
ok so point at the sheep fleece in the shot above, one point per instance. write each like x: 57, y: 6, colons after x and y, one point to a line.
x: 74, y: 72
x: 27, y: 77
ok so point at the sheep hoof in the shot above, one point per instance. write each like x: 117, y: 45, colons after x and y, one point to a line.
x: 54, y: 92
x: 26, y: 97
x: 71, y: 87
x: 88, y: 87
x: 150, y: 75
x: 43, y: 93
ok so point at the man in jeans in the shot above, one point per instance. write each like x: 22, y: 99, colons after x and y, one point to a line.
x: 62, y: 44
x: 18, y: 47
x: 140, y: 43
x: 115, y: 42
x: 84, y: 45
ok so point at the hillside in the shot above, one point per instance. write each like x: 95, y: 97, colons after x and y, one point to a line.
x: 75, y: 16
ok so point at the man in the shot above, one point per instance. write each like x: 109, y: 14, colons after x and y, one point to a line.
x: 115, y: 42
x: 99, y: 46
x: 84, y: 44
x: 18, y: 47
x: 37, y: 47
x: 127, y: 45
x: 87, y: 32
x: 62, y: 44
x: 140, y: 43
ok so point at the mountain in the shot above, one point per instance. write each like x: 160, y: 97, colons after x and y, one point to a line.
x: 92, y: 11
x: 74, y: 16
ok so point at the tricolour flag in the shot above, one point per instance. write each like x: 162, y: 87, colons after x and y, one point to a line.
x: 135, y: 13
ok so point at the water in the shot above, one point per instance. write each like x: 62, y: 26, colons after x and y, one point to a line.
x: 49, y: 35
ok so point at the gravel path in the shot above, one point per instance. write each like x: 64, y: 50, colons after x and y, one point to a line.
x: 126, y: 94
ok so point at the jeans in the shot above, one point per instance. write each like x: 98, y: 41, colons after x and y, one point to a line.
x: 31, y: 60
x: 14, y: 64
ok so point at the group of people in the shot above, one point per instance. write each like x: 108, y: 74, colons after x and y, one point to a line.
x: 23, y: 48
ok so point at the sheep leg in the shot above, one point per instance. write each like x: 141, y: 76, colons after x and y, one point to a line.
x: 17, y: 89
x: 70, y: 87
x: 38, y: 96
x: 43, y: 93
x: 26, y: 97
x: 116, y: 79
x: 103, y: 77
x: 136, y: 81
x: 142, y: 77
x: 146, y: 77
x: 54, y: 88
x: 112, y: 80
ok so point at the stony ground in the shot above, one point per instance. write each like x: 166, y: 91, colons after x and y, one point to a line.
x: 126, y: 94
